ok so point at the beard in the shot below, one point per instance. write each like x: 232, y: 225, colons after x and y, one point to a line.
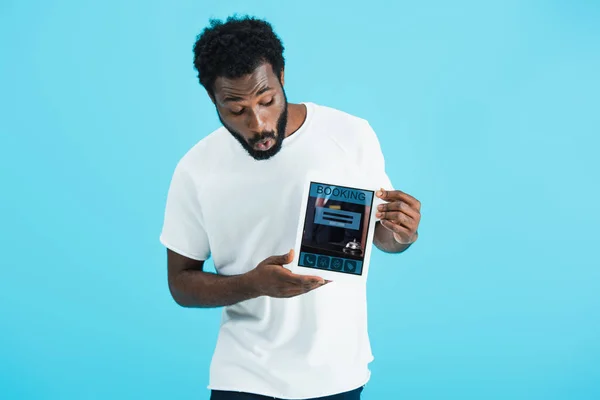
x: 277, y: 136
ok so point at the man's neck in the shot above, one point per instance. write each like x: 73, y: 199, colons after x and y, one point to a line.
x: 296, y: 117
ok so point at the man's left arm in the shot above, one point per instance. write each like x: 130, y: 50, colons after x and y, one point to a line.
x: 399, y: 215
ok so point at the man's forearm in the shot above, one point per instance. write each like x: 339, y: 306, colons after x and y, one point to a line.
x: 192, y: 288
x: 384, y: 240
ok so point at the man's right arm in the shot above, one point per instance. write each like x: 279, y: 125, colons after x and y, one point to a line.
x: 191, y: 287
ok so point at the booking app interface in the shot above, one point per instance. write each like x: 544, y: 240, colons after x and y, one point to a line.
x: 335, y: 229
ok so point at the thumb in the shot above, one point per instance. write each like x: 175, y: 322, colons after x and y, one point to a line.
x: 289, y: 256
x: 283, y: 259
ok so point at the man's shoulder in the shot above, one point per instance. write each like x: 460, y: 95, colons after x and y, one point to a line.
x: 338, y: 115
x: 201, y: 154
x: 344, y: 126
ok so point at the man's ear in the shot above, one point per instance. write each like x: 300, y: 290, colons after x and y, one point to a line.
x: 282, y: 77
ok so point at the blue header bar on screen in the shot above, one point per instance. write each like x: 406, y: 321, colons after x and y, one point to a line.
x: 339, y: 193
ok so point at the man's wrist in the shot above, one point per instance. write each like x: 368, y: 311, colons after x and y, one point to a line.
x: 399, y: 240
x: 249, y: 285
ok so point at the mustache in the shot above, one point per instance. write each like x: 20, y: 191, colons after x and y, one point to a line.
x: 262, y: 136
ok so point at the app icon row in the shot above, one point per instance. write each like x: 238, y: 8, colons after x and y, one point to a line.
x: 331, y: 263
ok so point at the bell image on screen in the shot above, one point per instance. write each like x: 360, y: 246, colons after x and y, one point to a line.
x: 335, y: 231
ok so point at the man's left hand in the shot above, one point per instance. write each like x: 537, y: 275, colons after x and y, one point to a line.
x: 400, y: 214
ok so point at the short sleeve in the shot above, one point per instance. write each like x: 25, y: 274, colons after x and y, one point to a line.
x: 183, y: 227
x: 374, y: 159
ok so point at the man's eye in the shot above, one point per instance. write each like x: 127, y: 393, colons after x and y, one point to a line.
x: 238, y: 112
x: 268, y: 103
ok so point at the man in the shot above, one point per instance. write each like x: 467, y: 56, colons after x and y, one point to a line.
x: 236, y: 196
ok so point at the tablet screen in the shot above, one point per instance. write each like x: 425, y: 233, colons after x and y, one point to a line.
x: 336, y: 227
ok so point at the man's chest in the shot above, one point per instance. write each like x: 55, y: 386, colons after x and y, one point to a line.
x: 254, y: 210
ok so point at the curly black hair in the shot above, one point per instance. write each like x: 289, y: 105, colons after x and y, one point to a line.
x: 235, y: 48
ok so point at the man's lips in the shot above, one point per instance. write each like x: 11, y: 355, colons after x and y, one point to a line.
x: 264, y: 144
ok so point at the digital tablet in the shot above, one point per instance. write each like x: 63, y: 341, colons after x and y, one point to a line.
x: 336, y: 227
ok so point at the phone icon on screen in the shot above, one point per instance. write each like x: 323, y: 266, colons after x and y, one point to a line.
x: 310, y: 259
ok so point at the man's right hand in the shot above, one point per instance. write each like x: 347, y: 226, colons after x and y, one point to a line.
x: 271, y: 278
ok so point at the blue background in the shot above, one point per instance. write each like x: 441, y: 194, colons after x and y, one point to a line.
x: 487, y: 112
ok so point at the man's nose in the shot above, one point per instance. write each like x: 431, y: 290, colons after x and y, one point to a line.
x: 257, y: 122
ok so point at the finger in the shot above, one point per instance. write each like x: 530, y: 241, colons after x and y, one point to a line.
x: 313, y: 284
x: 282, y: 259
x: 393, y: 206
x: 400, y: 206
x: 398, y: 217
x: 302, y: 280
x: 394, y: 195
x: 296, y: 291
x: 399, y: 229
x: 305, y: 280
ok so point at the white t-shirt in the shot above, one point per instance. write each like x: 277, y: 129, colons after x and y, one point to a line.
x: 223, y: 203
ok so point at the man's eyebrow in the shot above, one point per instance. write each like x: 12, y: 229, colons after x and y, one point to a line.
x: 264, y: 89
x: 230, y: 99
